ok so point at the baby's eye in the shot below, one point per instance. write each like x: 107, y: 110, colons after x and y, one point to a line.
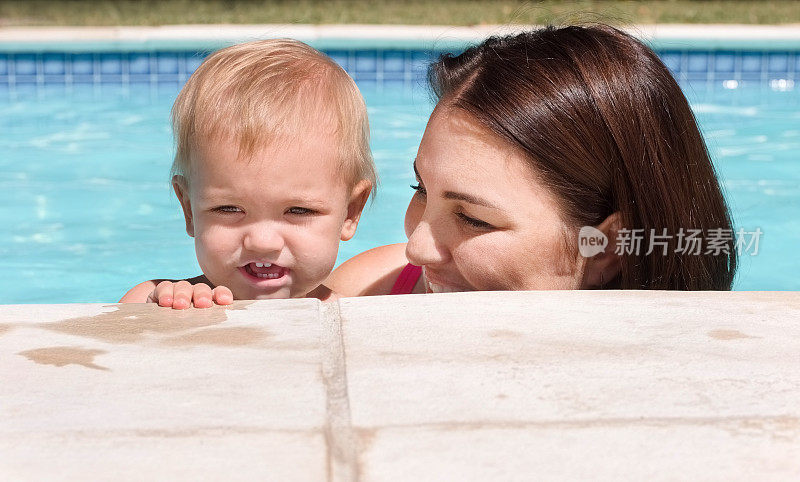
x: 227, y: 209
x: 474, y: 222
x: 299, y: 211
x: 420, y: 189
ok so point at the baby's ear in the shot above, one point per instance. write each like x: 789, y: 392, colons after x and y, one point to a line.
x: 358, y: 199
x: 181, y: 187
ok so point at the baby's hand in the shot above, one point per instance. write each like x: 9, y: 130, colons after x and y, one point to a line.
x: 182, y: 295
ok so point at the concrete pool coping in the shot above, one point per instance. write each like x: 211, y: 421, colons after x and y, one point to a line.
x: 608, y: 385
x: 757, y: 37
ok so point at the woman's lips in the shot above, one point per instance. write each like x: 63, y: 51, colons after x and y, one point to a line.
x: 264, y: 274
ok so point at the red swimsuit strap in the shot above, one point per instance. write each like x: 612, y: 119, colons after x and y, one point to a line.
x: 406, y: 280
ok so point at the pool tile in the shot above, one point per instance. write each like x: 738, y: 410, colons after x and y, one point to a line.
x: 193, y: 62
x: 82, y: 64
x: 751, y: 76
x: 724, y: 62
x: 366, y: 61
x: 672, y: 60
x: 697, y: 76
x: 420, y: 62
x: 110, y: 64
x: 392, y: 68
x: 53, y: 64
x: 168, y: 63
x: 25, y: 79
x: 138, y: 78
x: 778, y: 62
x: 54, y: 79
x: 82, y: 79
x: 111, y: 79
x: 394, y: 61
x: 341, y: 57
x: 697, y: 62
x: 751, y: 62
x: 138, y: 63
x: 25, y: 64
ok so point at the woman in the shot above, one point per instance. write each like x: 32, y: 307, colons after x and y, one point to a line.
x: 536, y: 136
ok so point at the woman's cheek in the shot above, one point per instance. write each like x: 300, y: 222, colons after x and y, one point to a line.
x: 502, y: 261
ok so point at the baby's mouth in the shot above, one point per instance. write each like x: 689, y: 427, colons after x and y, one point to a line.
x: 264, y: 270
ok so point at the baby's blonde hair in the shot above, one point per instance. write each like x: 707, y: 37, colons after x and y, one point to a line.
x: 268, y: 91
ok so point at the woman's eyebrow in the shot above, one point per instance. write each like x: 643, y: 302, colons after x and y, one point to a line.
x: 458, y: 196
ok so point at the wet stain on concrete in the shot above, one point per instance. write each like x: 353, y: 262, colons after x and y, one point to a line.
x: 64, y: 355
x: 233, y: 336
x: 728, y: 335
x: 134, y: 322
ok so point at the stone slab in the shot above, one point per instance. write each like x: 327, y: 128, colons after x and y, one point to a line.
x: 463, y: 386
x: 607, y: 364
x: 133, y: 390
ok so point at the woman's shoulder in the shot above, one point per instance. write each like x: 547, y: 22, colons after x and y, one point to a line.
x: 372, y: 272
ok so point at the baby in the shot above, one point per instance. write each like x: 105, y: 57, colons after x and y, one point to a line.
x: 272, y: 170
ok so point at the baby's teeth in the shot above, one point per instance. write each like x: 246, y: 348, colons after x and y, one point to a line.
x: 263, y: 265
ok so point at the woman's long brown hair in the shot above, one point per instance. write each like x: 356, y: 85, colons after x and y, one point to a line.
x: 608, y: 129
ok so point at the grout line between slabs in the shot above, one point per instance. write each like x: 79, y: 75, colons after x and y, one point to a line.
x: 342, y: 456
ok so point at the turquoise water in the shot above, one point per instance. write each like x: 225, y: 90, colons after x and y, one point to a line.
x: 88, y: 212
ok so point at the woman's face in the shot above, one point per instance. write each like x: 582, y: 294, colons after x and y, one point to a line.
x: 480, y: 220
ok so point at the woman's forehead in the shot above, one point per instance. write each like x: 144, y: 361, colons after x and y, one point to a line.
x: 454, y: 141
x: 460, y: 155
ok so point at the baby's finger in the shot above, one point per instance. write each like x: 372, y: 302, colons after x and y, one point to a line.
x: 223, y: 296
x: 182, y: 295
x: 163, y: 294
x: 201, y: 296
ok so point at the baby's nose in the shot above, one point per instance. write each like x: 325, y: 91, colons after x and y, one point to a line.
x: 263, y: 238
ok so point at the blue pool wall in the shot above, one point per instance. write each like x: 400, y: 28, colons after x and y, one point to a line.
x: 52, y: 72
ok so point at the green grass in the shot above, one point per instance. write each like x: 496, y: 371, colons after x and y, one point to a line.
x: 412, y: 12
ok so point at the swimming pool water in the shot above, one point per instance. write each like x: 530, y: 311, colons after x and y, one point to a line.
x: 88, y: 211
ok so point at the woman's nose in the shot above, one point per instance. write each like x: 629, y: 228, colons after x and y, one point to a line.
x: 263, y: 238
x: 423, y: 249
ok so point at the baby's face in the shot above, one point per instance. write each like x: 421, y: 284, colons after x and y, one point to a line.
x: 269, y: 226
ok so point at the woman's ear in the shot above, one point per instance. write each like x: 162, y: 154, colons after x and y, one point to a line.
x: 181, y: 187
x: 605, y: 265
x: 358, y: 199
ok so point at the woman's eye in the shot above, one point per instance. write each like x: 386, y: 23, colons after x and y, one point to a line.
x: 227, y: 209
x: 299, y: 210
x: 419, y: 188
x: 475, y: 223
